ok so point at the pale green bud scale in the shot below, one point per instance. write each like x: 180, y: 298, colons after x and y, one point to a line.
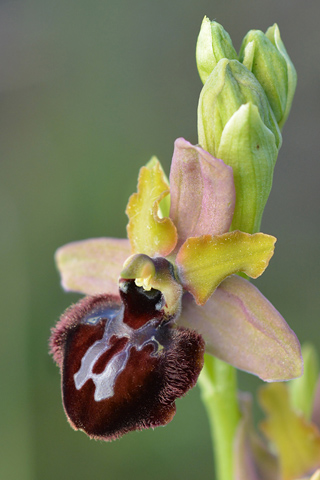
x: 213, y: 44
x: 273, y: 34
x: 268, y: 65
x: 248, y: 146
x: 229, y: 86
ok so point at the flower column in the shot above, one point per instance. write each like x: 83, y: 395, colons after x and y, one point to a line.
x: 243, y: 104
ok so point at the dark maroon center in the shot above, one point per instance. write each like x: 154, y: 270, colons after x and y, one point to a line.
x: 124, y: 363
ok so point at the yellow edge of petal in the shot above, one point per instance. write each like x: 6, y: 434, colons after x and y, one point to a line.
x: 204, y: 262
x: 147, y: 232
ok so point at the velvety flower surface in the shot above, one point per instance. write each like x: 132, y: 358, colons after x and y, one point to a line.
x: 134, y: 347
x: 122, y: 362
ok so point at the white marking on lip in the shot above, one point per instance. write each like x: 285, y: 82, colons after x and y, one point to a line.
x: 105, y: 381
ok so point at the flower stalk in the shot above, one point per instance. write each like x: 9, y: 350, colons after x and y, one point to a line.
x: 239, y: 108
x: 218, y: 384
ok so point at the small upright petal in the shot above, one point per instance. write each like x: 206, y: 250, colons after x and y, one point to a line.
x: 241, y: 327
x: 92, y: 266
x: 147, y: 231
x: 203, y: 262
x: 202, y: 192
x: 164, y: 205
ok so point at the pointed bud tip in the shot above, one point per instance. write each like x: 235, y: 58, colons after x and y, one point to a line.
x: 213, y: 44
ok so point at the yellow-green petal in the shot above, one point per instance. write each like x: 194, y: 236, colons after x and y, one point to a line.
x: 164, y: 205
x: 203, y: 262
x: 147, y: 231
x: 297, y: 441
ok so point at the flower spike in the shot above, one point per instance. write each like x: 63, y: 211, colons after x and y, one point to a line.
x: 161, y: 298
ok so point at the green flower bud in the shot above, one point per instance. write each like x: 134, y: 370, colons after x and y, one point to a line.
x: 248, y: 146
x: 273, y: 33
x: 229, y: 86
x: 266, y: 57
x: 236, y: 124
x: 302, y: 390
x: 213, y: 44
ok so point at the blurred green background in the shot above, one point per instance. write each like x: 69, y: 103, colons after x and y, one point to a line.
x: 89, y: 91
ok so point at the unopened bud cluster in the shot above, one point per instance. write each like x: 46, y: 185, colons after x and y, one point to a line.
x: 244, y: 103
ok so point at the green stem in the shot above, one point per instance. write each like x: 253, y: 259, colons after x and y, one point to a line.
x: 218, y: 384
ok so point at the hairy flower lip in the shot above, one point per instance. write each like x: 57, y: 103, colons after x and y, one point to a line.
x: 69, y: 319
x: 125, y: 361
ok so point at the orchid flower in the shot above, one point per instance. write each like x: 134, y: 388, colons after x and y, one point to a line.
x: 161, y: 298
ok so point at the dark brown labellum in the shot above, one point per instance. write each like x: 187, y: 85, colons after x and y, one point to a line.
x: 123, y: 362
